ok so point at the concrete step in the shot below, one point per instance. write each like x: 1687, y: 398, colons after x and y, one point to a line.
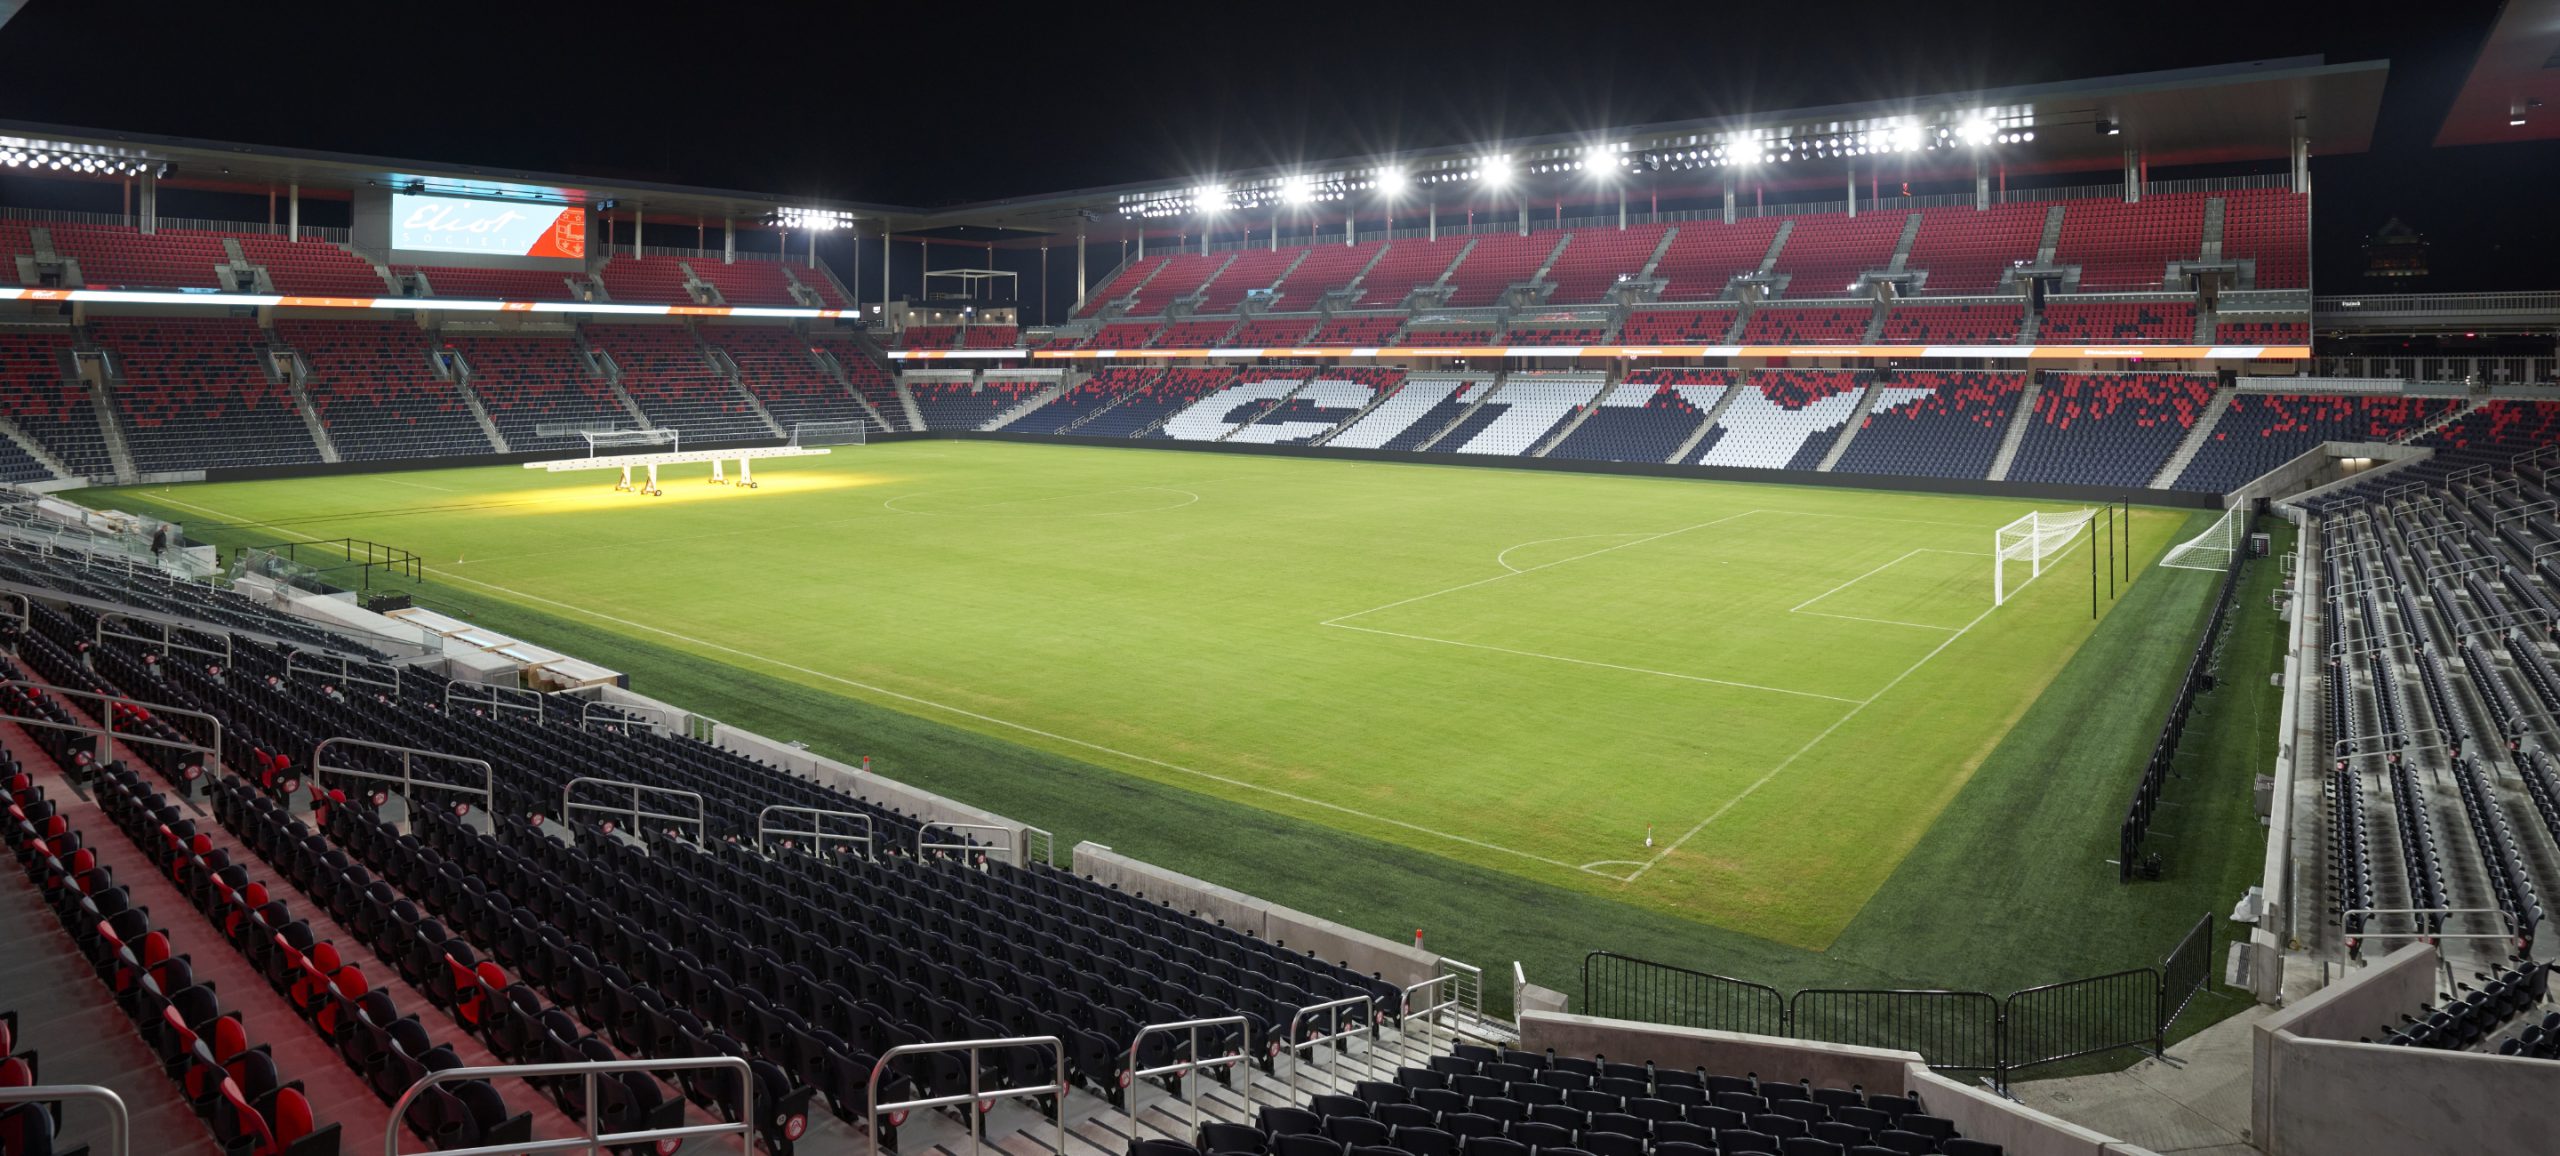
x: 80, y: 1036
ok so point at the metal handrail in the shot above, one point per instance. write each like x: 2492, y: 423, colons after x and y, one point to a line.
x: 587, y: 713
x: 816, y: 834
x: 1137, y: 1075
x: 1333, y: 1008
x: 496, y: 699
x: 168, y: 639
x: 119, y: 1121
x: 408, y: 777
x: 701, y: 830
x: 347, y: 671
x: 1012, y: 852
x: 107, y: 734
x: 872, y: 1107
x: 595, y: 1142
x: 1418, y: 1013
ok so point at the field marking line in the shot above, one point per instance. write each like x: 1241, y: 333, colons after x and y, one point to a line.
x: 421, y: 485
x: 1852, y: 582
x: 1815, y: 741
x: 1884, y: 518
x: 947, y: 708
x: 1877, y: 621
x: 1502, y: 559
x: 1592, y: 662
x: 889, y: 503
x: 1340, y: 618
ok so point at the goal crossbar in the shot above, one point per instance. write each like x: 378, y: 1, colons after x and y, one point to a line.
x: 628, y: 462
x: 2032, y: 539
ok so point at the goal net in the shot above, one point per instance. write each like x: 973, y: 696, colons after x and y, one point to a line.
x: 2212, y: 550
x: 830, y: 433
x: 606, y: 441
x: 2031, y: 540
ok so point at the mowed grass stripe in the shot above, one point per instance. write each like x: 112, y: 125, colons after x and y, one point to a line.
x: 1187, y: 637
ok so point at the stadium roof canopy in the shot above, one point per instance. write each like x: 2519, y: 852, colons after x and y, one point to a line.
x: 2513, y: 91
x: 2223, y: 114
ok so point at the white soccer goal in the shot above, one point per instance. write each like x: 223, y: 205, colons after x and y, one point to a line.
x: 2215, y: 548
x: 831, y: 433
x: 604, y: 441
x: 2032, y: 539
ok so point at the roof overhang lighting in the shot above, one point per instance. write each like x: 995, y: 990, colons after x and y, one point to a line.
x: 20, y: 154
x: 1391, y: 181
x: 1494, y: 171
x: 811, y: 220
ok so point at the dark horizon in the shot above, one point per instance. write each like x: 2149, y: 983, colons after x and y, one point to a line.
x: 944, y: 110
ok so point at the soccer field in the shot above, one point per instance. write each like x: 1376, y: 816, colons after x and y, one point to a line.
x: 1526, y: 671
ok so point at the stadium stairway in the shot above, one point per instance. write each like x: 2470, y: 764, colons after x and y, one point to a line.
x: 2019, y: 421
x: 1035, y: 401
x: 320, y: 439
x: 111, y: 429
x: 337, y: 1095
x: 1866, y: 405
x: 34, y: 449
x: 71, y: 1019
x: 2197, y: 438
x: 1688, y: 451
x: 1492, y: 386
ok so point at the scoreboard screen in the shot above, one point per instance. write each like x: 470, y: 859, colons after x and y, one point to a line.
x: 425, y: 223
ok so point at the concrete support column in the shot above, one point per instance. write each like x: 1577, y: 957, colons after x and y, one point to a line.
x: 150, y: 203
x: 885, y: 249
x: 1351, y: 228
x: 1524, y: 216
x: 2132, y: 175
x: 1435, y: 222
x: 293, y: 210
x: 636, y: 232
x: 1853, y: 190
x: 729, y: 244
x: 813, y: 248
x: 1981, y: 182
x: 1142, y: 242
x: 1729, y: 214
x: 1204, y: 238
x: 1079, y: 265
x: 1622, y: 208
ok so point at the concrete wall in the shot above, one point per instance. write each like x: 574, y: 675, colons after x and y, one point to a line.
x: 1401, y: 964
x: 2018, y: 1130
x: 2322, y: 468
x: 1728, y: 1053
x: 2324, y: 1097
x: 2317, y: 1090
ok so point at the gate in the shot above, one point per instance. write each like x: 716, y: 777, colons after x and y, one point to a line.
x: 1957, y: 1031
x: 2064, y: 1021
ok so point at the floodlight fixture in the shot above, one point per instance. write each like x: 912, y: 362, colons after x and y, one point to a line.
x: 1495, y: 171
x: 1391, y: 181
x: 1296, y: 190
x: 812, y: 220
x: 1977, y: 132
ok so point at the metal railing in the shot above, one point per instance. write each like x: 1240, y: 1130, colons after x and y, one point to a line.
x: 872, y: 1107
x: 1427, y: 1026
x: 594, y: 1140
x: 1183, y: 1068
x: 352, y: 671
x: 119, y: 1121
x: 1956, y: 1031
x: 1012, y: 853
x: 1316, y: 1038
x: 107, y: 734
x: 408, y: 776
x: 1040, y: 844
x: 1623, y: 987
x: 494, y: 698
x: 817, y: 834
x: 168, y: 636
x: 569, y: 808
x: 666, y: 721
x: 1467, y: 983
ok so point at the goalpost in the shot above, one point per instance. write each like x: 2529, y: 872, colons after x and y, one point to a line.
x: 2032, y: 539
x: 831, y: 433
x: 2212, y: 550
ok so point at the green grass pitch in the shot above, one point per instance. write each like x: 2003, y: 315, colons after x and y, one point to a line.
x: 1394, y: 694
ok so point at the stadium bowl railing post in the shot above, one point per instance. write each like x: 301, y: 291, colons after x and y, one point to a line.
x: 1182, y: 1069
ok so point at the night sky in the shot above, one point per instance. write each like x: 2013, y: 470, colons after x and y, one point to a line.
x: 935, y: 104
